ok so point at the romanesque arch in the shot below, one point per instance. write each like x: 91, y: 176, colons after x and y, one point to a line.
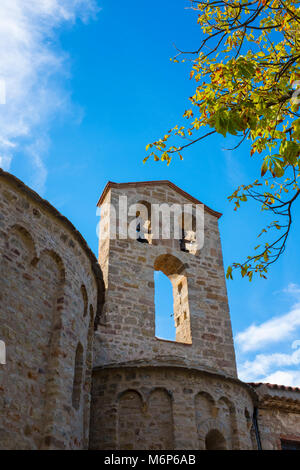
x: 144, y: 424
x: 46, y: 321
x: 160, y: 420
x: 226, y: 416
x: 215, y: 440
x: 205, y: 413
x: 30, y: 290
x: 131, y: 421
x: 16, y: 305
x: 143, y: 214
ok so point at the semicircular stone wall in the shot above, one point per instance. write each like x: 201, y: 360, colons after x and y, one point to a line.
x: 169, y: 408
x: 50, y: 293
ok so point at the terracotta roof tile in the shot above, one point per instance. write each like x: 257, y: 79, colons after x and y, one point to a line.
x: 275, y: 386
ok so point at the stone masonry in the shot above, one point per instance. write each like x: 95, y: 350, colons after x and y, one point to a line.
x: 84, y: 368
x: 49, y: 293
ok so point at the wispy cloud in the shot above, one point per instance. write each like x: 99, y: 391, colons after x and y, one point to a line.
x: 264, y: 364
x: 275, y: 330
x: 293, y: 289
x: 290, y: 378
x: 30, y: 64
x: 275, y: 367
x: 234, y: 171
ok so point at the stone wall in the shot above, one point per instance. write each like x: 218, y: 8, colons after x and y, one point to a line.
x: 152, y: 404
x: 127, y: 329
x: 50, y: 288
x: 278, y: 415
x: 147, y: 393
x: 166, y: 407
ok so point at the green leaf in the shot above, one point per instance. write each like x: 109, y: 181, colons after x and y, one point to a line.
x: 264, y: 168
x: 229, y: 273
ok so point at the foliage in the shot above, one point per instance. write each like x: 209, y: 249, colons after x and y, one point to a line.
x: 245, y: 71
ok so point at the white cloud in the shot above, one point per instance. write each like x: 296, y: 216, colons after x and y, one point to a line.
x: 30, y: 63
x: 275, y: 367
x: 276, y: 329
x: 296, y: 344
x: 293, y: 289
x: 234, y: 171
x: 264, y: 364
x: 289, y: 378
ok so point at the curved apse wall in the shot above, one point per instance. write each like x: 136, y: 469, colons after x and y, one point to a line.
x: 50, y: 293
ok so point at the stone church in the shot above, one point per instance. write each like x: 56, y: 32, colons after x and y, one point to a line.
x: 81, y: 366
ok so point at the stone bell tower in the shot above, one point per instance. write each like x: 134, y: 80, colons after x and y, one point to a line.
x: 127, y: 330
x: 150, y: 393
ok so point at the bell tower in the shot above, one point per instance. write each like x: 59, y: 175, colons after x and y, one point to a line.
x: 152, y: 393
x: 131, y: 249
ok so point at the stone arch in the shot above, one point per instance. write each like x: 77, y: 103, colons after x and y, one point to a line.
x: 140, y: 227
x: 230, y: 405
x: 162, y: 389
x: 205, y: 415
x: 175, y: 270
x: 131, y: 421
x: 133, y: 392
x: 32, y: 292
x: 207, y: 398
x: 160, y: 420
x: 56, y: 259
x: 170, y: 265
x: 49, y: 273
x: 227, y: 416
x: 78, y: 377
x: 25, y: 249
x: 145, y: 425
x: 143, y: 212
x: 215, y: 440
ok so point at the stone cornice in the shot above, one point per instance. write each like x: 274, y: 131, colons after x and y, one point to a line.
x: 278, y: 396
x: 142, y: 184
x: 164, y: 364
x: 279, y: 403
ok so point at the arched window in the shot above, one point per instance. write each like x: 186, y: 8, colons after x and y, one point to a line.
x: 215, y: 440
x: 174, y: 270
x: 143, y: 227
x: 188, y: 242
x: 164, y: 315
x: 78, y: 372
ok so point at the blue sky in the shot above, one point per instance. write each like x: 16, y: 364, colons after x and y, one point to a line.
x: 88, y: 85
